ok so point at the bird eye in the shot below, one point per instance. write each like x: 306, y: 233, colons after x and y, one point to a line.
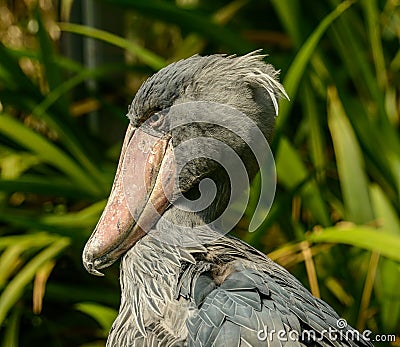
x: 156, y: 120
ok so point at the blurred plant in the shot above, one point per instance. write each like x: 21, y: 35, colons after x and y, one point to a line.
x: 337, y: 153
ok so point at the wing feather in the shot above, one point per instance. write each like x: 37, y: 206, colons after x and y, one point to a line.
x: 263, y: 301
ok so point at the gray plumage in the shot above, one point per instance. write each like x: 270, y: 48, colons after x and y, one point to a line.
x: 218, y: 294
x: 217, y: 291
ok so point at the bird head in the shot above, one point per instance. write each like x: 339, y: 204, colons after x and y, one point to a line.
x: 190, y: 124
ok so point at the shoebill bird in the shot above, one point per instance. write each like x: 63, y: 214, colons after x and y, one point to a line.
x: 183, y: 282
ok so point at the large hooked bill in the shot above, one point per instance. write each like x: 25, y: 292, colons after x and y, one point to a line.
x: 142, y: 190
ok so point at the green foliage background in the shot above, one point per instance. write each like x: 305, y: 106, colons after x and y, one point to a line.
x: 335, y: 220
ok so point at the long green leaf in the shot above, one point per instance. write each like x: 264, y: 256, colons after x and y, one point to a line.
x: 37, y: 240
x: 46, y: 151
x: 348, y: 43
x: 350, y: 163
x: 371, y: 239
x: 372, y: 14
x: 148, y: 57
x: 388, y: 273
x: 379, y: 145
x: 297, y: 68
x: 288, y: 12
x: 14, y: 289
x: 83, y: 218
x: 9, y: 260
x: 316, y: 141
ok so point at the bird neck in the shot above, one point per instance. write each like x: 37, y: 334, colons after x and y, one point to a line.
x: 191, y: 224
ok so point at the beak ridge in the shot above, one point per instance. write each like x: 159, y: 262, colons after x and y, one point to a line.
x: 141, y: 192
